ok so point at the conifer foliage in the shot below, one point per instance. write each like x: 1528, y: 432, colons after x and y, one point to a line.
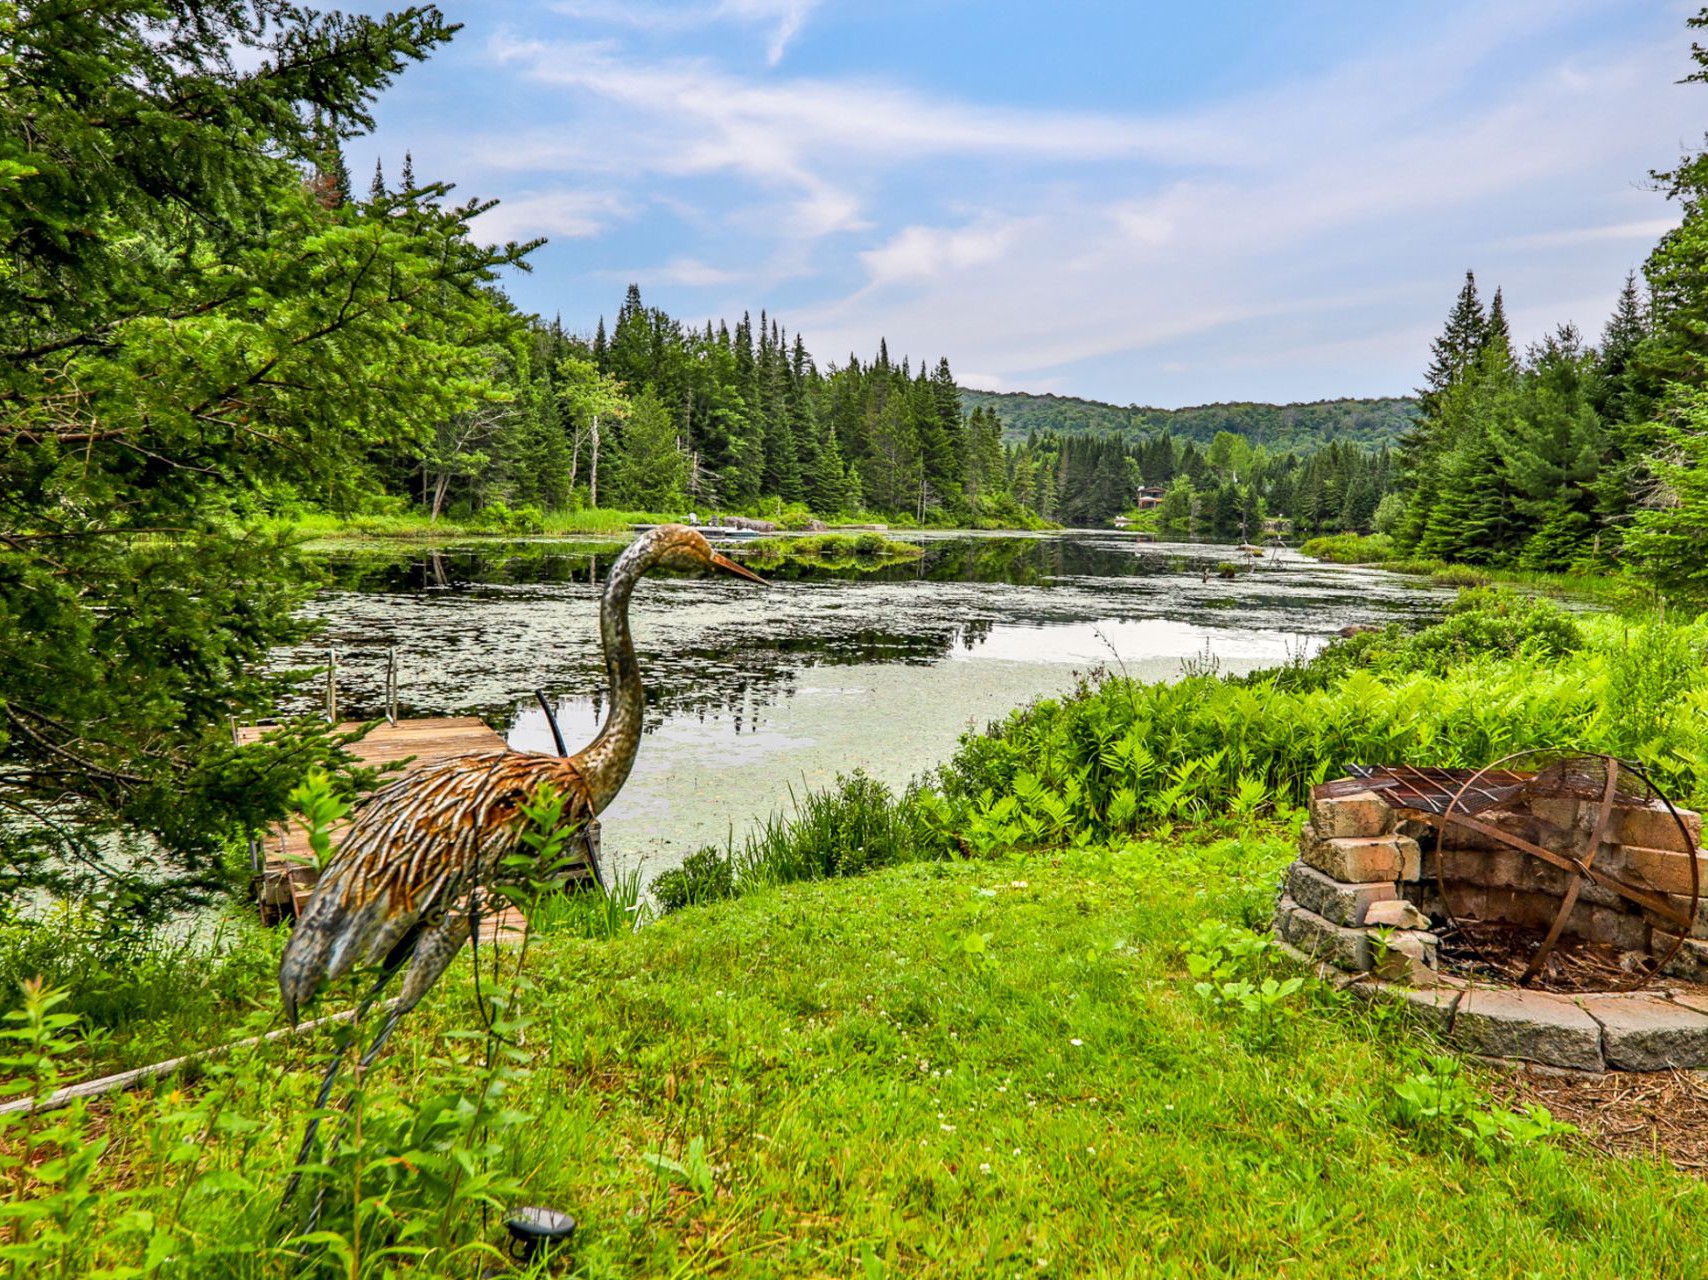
x: 195, y: 319
x: 1575, y: 457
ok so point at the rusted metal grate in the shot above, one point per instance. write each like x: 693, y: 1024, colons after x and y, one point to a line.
x: 1430, y: 790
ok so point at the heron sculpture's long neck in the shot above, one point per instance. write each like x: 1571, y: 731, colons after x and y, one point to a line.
x: 606, y: 761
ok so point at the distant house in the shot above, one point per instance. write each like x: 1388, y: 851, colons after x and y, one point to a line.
x: 1150, y: 496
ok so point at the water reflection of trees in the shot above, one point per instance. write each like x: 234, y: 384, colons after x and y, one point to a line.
x: 1029, y: 561
x: 739, y: 679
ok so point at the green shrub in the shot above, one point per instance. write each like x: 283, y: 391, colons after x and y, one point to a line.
x: 1460, y: 575
x: 1350, y: 548
x: 704, y: 876
x: 856, y: 826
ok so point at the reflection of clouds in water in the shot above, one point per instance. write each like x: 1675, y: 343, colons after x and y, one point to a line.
x: 508, y: 625
x: 1113, y: 640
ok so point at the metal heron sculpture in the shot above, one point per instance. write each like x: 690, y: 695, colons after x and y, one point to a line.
x: 404, y: 886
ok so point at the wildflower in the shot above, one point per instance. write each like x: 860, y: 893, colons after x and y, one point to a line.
x: 984, y: 1168
x: 947, y: 1128
x: 1076, y: 1042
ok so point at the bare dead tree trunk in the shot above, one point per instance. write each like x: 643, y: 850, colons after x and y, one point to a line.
x: 593, y: 485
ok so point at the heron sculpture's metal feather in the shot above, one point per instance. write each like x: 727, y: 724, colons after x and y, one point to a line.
x: 407, y: 873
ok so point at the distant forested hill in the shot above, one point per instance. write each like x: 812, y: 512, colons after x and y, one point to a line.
x: 1282, y: 427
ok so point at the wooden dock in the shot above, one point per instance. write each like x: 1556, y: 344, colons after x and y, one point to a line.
x: 288, y: 873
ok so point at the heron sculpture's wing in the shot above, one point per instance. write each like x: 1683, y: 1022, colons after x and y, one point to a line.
x: 400, y: 882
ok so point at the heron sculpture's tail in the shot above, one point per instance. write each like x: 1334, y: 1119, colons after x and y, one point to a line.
x: 336, y: 934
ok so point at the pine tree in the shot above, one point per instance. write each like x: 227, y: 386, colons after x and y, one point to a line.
x: 1670, y: 528
x: 649, y: 468
x: 1497, y: 337
x: 1424, y: 450
x: 181, y: 314
x: 1550, y: 449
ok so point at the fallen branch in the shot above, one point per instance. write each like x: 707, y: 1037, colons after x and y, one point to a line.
x: 142, y: 1075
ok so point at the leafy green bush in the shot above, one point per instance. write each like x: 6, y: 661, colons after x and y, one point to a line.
x: 1350, y: 548
x: 1482, y: 623
x: 704, y: 876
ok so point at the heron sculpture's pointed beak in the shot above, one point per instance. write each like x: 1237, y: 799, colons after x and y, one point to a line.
x: 739, y: 570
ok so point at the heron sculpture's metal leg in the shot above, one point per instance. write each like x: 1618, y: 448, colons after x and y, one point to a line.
x: 362, y: 1064
x: 331, y: 1078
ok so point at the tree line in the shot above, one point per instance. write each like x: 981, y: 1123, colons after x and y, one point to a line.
x: 1296, y: 428
x: 1572, y: 455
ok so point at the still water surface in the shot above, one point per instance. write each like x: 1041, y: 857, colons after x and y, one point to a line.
x: 756, y: 693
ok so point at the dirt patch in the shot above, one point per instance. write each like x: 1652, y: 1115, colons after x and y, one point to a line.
x: 1660, y: 1113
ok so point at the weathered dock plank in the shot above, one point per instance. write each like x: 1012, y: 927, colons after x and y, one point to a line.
x: 288, y: 874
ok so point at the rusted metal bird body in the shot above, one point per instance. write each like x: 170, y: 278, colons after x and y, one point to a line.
x: 403, y: 885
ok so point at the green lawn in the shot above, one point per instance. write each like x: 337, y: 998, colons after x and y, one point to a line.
x: 1001, y: 1069
x: 989, y: 1068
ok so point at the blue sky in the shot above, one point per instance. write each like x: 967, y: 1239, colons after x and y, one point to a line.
x: 1156, y: 203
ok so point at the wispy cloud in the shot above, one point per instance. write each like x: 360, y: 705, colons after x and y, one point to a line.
x: 1645, y: 231
x: 782, y: 18
x: 1280, y: 232
x: 574, y: 214
x: 690, y: 272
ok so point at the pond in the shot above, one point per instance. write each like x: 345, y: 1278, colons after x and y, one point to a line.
x: 756, y: 694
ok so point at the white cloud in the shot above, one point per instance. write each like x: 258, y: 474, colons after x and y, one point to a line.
x: 921, y: 253
x: 785, y: 18
x: 571, y: 214
x: 1330, y: 215
x: 690, y: 272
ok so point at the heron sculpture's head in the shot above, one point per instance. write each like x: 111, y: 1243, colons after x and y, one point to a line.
x: 686, y: 550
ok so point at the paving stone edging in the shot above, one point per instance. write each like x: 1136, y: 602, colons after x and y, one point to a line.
x: 1654, y: 1030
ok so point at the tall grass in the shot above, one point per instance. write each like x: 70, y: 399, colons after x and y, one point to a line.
x: 139, y: 993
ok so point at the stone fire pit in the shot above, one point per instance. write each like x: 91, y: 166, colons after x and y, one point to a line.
x: 1411, y: 907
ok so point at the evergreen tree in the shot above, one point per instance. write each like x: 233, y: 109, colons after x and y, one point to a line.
x: 1453, y: 353
x: 185, y: 334
x: 1497, y: 337
x: 650, y: 467
x: 1550, y: 449
x: 1670, y: 528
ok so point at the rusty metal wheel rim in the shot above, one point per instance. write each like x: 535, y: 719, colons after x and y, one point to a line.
x: 1614, y: 766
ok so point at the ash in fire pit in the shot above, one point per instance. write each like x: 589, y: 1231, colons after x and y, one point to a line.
x: 1520, y: 906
